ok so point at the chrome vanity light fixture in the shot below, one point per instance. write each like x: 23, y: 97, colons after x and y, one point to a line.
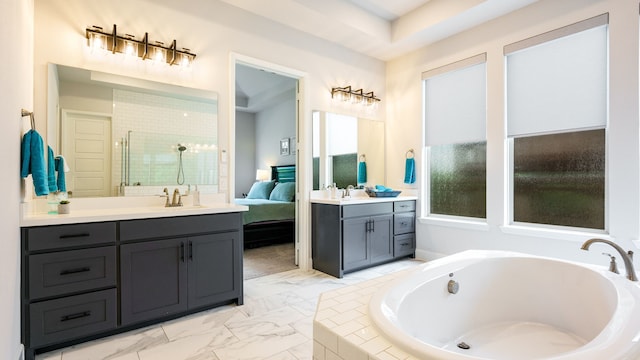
x: 354, y: 96
x: 127, y: 44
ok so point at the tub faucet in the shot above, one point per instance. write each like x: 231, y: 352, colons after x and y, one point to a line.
x: 627, y: 257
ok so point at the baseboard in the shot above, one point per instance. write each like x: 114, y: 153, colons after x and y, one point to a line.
x: 428, y: 255
x: 20, y: 353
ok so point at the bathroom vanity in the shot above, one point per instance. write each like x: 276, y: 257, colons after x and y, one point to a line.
x: 349, y: 235
x: 86, y: 280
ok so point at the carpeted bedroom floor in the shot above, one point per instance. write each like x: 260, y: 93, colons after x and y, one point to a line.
x: 268, y: 260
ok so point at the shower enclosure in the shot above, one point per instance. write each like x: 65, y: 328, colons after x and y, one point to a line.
x: 166, y: 160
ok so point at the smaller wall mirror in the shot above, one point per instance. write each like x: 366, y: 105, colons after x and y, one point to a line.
x: 345, y: 145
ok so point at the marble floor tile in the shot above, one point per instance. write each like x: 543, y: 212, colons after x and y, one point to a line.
x: 211, y: 321
x: 275, y: 323
x: 260, y: 347
x: 272, y: 323
x: 256, y: 306
x: 303, y: 351
x: 195, y: 347
x: 117, y: 346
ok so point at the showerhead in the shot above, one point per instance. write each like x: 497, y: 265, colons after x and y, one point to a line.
x: 181, y: 148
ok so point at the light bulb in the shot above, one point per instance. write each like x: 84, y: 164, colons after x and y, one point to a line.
x: 130, y: 48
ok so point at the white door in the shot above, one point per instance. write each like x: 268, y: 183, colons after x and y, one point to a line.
x: 86, y: 146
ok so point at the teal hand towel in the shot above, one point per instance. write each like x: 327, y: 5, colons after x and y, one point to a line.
x: 410, y: 171
x: 362, y: 172
x: 382, y: 188
x: 60, y: 181
x: 51, y: 170
x: 32, y: 161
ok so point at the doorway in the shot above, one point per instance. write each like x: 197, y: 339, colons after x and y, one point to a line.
x: 266, y: 109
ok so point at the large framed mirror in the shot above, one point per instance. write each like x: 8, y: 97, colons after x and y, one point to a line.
x: 345, y: 145
x: 121, y: 136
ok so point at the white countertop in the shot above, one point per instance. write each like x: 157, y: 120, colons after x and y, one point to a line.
x: 111, y: 211
x: 360, y: 200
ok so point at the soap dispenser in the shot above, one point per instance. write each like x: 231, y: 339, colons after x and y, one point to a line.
x: 196, y: 197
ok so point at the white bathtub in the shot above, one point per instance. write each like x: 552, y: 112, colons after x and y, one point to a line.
x: 511, y: 306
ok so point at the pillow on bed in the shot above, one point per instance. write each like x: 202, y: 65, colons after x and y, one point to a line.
x: 283, y: 192
x: 261, y: 190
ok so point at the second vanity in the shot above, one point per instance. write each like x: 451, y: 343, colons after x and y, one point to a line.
x: 353, y: 234
x: 96, y: 273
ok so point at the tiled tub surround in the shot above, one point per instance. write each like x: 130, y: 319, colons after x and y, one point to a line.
x: 342, y: 329
x: 548, y: 314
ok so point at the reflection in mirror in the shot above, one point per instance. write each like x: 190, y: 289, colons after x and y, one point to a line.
x: 124, y: 136
x: 341, y: 143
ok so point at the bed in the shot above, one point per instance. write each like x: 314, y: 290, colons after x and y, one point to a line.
x: 271, y: 215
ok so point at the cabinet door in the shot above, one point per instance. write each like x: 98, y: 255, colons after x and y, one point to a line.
x: 215, y: 268
x: 381, y: 238
x: 355, y: 248
x: 153, y: 279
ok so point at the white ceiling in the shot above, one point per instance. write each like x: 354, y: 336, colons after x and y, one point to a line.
x: 383, y: 29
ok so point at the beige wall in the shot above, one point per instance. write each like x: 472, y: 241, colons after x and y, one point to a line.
x: 16, y: 81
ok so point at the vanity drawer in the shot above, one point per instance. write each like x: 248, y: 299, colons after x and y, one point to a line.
x: 72, y: 317
x: 71, y: 271
x: 367, y: 209
x: 62, y: 236
x: 179, y: 226
x: 404, y: 223
x: 404, y: 206
x: 404, y: 245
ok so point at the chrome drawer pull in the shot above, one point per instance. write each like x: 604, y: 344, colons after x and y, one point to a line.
x: 75, y: 271
x: 74, y: 236
x: 75, y: 316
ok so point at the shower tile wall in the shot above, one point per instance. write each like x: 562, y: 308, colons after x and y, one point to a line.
x: 158, y: 123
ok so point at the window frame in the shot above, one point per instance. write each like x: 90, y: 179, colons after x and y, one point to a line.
x: 549, y: 230
x: 427, y: 217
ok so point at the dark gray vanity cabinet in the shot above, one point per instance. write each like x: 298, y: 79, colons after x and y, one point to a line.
x: 69, y: 283
x: 85, y: 281
x: 154, y: 280
x: 366, y: 240
x: 351, y: 237
x: 165, y: 272
x: 164, y: 277
x: 404, y: 222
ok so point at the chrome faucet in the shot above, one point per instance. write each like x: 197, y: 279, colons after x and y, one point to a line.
x: 348, y: 190
x: 627, y: 257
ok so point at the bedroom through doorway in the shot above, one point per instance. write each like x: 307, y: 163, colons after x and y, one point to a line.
x: 265, y: 168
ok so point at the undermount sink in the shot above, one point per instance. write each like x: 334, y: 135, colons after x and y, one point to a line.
x: 184, y: 207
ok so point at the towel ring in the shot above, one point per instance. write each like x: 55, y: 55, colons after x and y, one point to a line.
x: 28, y: 113
x: 362, y: 158
x: 410, y: 154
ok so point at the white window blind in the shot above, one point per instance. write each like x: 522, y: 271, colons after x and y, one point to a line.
x: 343, y: 132
x: 455, y: 102
x: 557, y: 81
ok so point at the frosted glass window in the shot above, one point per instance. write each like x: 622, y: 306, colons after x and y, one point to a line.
x: 558, y: 180
x: 455, y: 106
x: 455, y: 133
x: 459, y: 179
x: 558, y: 85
